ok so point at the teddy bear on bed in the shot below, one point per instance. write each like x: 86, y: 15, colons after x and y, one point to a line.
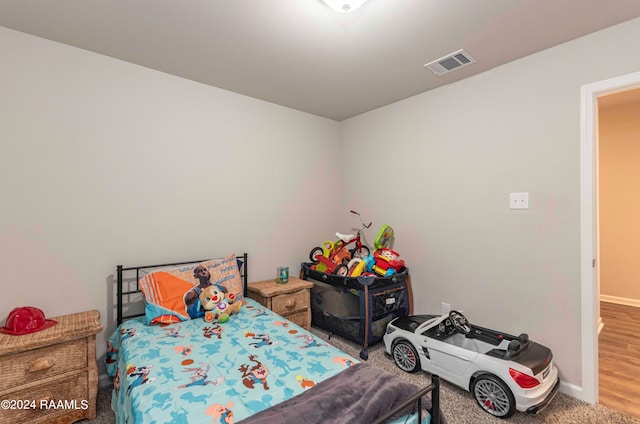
x: 218, y: 303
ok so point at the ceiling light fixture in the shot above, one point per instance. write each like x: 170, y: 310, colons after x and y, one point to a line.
x: 344, y: 6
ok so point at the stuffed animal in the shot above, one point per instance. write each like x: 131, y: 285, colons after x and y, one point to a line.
x: 218, y: 304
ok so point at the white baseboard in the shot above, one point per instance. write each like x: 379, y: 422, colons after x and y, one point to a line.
x: 620, y: 300
x: 571, y: 390
x: 600, y: 325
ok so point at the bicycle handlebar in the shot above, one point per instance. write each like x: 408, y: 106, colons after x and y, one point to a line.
x: 363, y: 224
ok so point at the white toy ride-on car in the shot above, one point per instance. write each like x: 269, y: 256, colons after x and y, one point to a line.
x: 504, y: 373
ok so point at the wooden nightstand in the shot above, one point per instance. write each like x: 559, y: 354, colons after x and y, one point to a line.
x: 291, y: 300
x: 51, y: 375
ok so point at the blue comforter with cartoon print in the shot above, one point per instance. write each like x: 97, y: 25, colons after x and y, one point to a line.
x: 198, y: 372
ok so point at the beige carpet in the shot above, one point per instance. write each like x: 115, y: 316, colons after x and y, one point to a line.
x: 458, y: 405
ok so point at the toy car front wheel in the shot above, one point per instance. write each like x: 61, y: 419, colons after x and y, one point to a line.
x: 406, y: 356
x: 493, y: 395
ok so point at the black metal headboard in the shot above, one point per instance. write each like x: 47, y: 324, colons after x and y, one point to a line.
x: 122, y: 295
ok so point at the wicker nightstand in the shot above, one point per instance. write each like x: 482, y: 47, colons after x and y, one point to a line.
x: 291, y: 300
x: 51, y: 375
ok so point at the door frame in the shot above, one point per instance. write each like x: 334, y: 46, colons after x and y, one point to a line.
x: 589, y: 224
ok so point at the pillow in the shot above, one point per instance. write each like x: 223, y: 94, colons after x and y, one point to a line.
x: 224, y: 272
x: 172, y: 294
x: 164, y: 298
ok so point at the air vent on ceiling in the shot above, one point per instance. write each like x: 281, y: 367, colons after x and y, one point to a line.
x: 450, y: 62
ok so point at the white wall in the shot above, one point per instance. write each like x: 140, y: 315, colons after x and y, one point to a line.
x: 441, y: 166
x: 104, y: 163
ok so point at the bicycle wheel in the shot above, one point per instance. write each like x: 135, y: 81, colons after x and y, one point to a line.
x: 361, y: 253
x: 316, y: 251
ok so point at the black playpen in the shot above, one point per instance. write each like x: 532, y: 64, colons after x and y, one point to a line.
x: 358, y: 308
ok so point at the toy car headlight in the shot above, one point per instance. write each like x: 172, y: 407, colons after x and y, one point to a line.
x: 390, y: 329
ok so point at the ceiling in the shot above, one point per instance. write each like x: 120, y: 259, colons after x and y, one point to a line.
x: 303, y: 55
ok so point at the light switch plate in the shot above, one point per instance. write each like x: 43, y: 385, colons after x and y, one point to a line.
x: 518, y: 200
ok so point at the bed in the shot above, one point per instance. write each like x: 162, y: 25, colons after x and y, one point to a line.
x: 257, y: 367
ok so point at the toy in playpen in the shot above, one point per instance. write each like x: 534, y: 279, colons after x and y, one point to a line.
x: 387, y: 262
x: 333, y: 258
x: 385, y: 238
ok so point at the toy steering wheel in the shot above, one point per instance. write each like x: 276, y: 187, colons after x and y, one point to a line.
x: 460, y: 322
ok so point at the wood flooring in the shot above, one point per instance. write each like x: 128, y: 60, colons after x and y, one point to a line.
x: 619, y: 358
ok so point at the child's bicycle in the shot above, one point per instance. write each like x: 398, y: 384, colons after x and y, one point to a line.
x: 333, y: 257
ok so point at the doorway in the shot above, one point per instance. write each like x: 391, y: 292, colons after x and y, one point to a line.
x: 589, y: 225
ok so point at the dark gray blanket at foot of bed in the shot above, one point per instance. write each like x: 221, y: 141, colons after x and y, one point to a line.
x: 359, y: 394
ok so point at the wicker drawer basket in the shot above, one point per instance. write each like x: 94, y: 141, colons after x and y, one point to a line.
x: 42, y: 363
x: 291, y: 300
x: 285, y: 304
x: 45, y: 406
x: 51, y: 376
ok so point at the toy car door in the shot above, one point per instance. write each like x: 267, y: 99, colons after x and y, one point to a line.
x: 449, y: 361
